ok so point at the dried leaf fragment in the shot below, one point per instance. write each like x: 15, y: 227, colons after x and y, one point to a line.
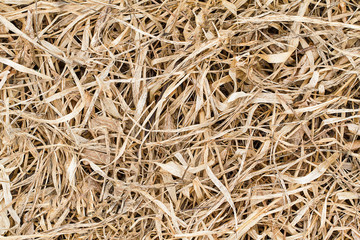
x: 230, y: 6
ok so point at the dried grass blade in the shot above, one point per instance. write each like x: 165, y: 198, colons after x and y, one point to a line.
x: 316, y: 173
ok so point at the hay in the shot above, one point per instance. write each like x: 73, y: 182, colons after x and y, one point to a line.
x: 179, y: 119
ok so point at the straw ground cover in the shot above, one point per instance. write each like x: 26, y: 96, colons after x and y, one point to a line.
x: 187, y: 119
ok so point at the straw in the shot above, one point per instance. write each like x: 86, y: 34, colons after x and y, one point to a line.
x: 219, y: 119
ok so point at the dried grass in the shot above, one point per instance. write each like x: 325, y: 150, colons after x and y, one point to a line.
x: 180, y: 119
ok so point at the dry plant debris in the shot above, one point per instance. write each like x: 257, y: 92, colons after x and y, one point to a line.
x: 149, y: 119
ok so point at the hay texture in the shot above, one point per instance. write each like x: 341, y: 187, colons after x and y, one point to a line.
x: 148, y: 119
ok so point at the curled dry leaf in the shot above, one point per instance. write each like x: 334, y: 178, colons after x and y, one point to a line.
x: 71, y: 170
x: 354, y: 128
x: 4, y: 220
x: 272, y: 98
x: 110, y: 107
x: 230, y: 6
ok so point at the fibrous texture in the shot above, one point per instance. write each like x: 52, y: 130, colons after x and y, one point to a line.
x: 185, y: 119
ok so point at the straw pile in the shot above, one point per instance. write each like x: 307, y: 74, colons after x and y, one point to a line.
x: 183, y: 119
